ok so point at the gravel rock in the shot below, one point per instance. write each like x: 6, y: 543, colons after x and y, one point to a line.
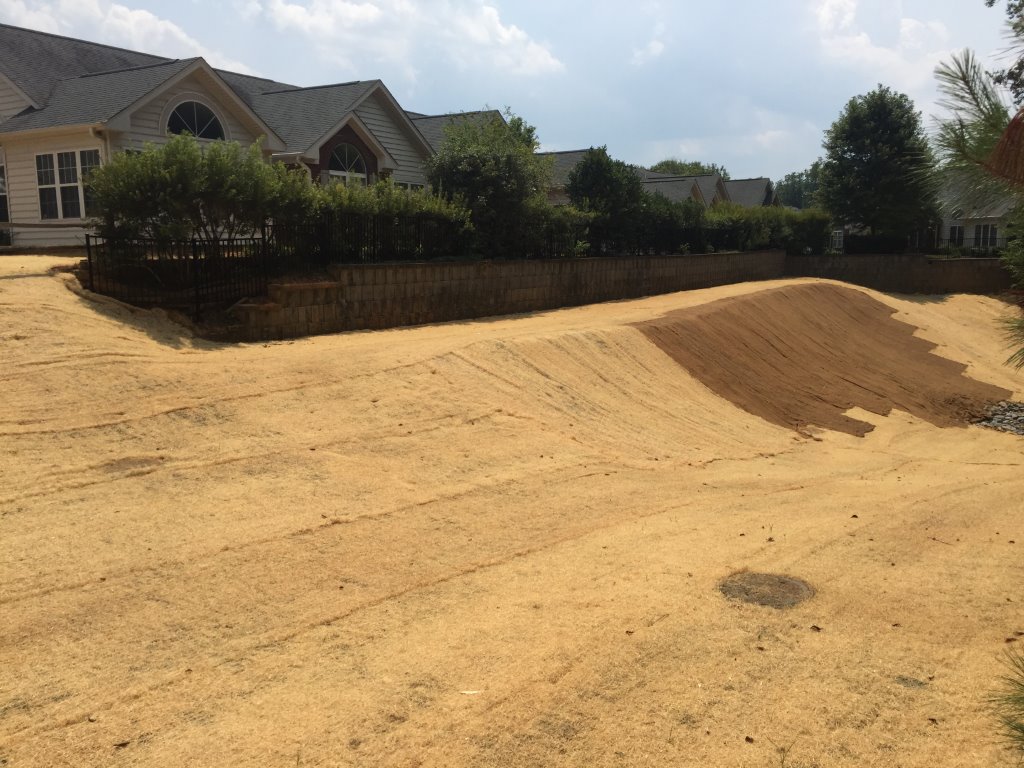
x: 1006, y: 417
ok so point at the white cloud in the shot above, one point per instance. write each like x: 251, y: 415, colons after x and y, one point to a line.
x: 836, y: 15
x: 470, y: 33
x: 22, y: 14
x: 907, y: 63
x: 113, y: 24
x: 652, y: 50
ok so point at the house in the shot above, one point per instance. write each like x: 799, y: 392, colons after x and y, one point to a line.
x: 711, y: 186
x: 706, y: 190
x: 752, y: 193
x: 978, y: 227
x: 67, y: 105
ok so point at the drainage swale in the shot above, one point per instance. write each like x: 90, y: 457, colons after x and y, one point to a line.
x: 770, y: 589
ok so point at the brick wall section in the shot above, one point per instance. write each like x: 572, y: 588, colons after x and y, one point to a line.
x: 390, y: 295
x: 906, y: 273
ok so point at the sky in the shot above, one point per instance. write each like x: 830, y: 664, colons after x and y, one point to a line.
x: 746, y: 84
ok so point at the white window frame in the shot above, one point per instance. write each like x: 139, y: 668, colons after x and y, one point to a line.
x: 348, y: 176
x: 188, y: 98
x: 956, y: 234
x: 58, y: 186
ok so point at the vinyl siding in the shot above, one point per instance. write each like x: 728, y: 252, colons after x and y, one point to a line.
x: 378, y: 118
x: 11, y: 103
x: 23, y: 192
x: 148, y: 121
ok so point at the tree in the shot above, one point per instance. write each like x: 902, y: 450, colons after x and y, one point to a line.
x: 1013, y: 76
x: 798, y: 190
x: 612, y: 192
x: 689, y: 168
x: 876, y: 171
x: 492, y: 166
x: 603, y: 185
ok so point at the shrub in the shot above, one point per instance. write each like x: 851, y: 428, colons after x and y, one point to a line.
x: 181, y: 190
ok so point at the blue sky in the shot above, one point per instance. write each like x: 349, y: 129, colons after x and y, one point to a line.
x: 747, y: 84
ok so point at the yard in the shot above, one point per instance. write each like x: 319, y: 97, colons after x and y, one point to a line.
x: 500, y: 542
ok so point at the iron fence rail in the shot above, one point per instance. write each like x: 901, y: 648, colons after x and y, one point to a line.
x: 189, y: 275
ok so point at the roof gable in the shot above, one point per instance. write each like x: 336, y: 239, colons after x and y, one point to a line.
x: 304, y: 116
x: 109, y: 97
x: 751, y: 193
x: 91, y: 99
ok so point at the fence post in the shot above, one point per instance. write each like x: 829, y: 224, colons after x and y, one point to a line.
x: 195, y: 279
x: 88, y: 258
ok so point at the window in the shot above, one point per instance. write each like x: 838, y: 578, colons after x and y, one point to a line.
x: 61, y: 178
x: 195, y: 119
x: 408, y: 186
x: 956, y: 235
x: 985, y: 235
x: 347, y: 165
x: 5, y: 211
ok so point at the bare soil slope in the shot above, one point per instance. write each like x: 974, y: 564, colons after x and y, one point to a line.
x: 807, y: 354
x: 493, y: 543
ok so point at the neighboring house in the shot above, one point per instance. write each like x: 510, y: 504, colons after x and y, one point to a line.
x: 676, y: 188
x: 711, y: 186
x: 67, y: 105
x: 982, y: 227
x: 752, y: 193
x: 706, y: 190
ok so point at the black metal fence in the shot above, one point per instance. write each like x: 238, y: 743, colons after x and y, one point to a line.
x: 982, y: 247
x: 353, y: 238
x: 189, y: 275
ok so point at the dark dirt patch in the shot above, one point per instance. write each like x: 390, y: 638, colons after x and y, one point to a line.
x: 770, y: 589
x: 806, y: 354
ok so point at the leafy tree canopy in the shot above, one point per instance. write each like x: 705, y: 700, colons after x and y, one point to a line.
x: 1013, y: 76
x: 490, y: 163
x: 689, y: 168
x: 182, y: 190
x: 492, y: 166
x: 876, y: 173
x: 603, y: 185
x: 799, y: 189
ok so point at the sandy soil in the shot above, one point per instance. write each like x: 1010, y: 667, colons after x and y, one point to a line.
x: 492, y: 543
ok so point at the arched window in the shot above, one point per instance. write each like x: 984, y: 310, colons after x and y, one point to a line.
x: 347, y: 165
x: 195, y: 119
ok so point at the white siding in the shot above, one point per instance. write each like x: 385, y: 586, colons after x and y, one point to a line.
x: 23, y: 192
x: 11, y: 102
x: 148, y: 122
x: 378, y: 118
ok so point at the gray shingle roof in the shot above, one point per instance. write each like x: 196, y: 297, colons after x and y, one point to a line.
x: 95, y: 98
x: 300, y: 116
x: 432, y: 126
x: 37, y: 61
x: 707, y: 184
x: 564, y: 163
x: 751, y: 193
x: 247, y: 86
x: 675, y: 188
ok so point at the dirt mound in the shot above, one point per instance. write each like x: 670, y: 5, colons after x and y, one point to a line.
x: 805, y: 354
